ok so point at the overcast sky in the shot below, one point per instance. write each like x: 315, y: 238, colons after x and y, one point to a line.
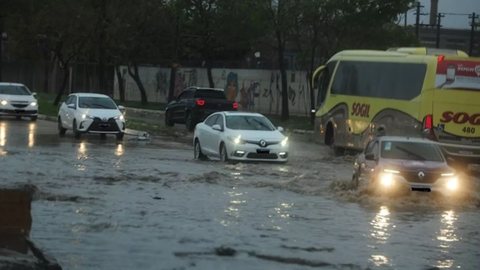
x: 449, y: 6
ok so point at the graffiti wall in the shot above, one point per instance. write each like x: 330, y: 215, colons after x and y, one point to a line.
x: 254, y: 90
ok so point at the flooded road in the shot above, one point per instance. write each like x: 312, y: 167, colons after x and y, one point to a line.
x: 148, y: 205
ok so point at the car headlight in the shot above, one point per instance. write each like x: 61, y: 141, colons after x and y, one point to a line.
x: 236, y: 140
x: 119, y: 117
x: 4, y: 102
x: 452, y: 184
x: 284, y: 142
x: 33, y: 103
x: 86, y: 116
x: 387, y: 177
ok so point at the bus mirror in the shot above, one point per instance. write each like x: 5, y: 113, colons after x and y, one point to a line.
x: 370, y: 156
x: 316, y: 75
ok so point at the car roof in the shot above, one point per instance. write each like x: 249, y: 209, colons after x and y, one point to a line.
x: 405, y: 139
x: 12, y: 84
x: 203, y: 88
x: 80, y: 94
x: 242, y: 113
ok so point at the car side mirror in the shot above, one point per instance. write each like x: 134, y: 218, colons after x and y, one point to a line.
x: 121, y: 109
x: 370, y: 156
x: 217, y: 127
x: 34, y: 94
x: 280, y: 129
x: 71, y: 106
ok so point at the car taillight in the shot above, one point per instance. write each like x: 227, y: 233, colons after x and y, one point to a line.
x: 200, y: 102
x: 235, y: 105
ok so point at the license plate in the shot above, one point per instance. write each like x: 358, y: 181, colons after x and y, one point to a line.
x: 104, y: 125
x: 263, y: 151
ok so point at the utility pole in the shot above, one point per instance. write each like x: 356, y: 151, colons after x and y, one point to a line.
x: 101, y: 49
x: 439, y: 20
x: 417, y: 21
x: 472, y: 32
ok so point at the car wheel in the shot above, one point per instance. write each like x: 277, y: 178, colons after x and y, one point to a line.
x: 76, y: 133
x: 197, y: 151
x: 355, y: 180
x: 61, y: 129
x: 189, y: 122
x: 33, y: 118
x: 120, y: 136
x: 168, y: 119
x: 223, y: 153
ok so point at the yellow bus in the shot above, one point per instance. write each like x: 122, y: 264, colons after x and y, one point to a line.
x: 361, y: 93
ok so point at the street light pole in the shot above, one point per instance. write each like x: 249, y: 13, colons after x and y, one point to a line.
x: 439, y: 20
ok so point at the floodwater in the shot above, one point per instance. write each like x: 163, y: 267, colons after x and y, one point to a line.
x: 149, y: 205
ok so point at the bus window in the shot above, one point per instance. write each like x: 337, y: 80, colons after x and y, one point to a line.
x: 324, y: 81
x: 379, y: 79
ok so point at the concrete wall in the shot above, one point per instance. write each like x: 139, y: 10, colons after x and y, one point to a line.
x: 254, y: 90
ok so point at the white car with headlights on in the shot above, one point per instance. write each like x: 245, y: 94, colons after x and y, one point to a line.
x: 391, y: 165
x: 91, y: 113
x: 17, y: 100
x: 239, y: 136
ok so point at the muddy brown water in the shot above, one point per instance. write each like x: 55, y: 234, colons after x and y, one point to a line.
x: 148, y: 205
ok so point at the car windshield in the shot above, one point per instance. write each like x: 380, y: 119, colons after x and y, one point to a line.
x: 14, y: 90
x: 96, y: 103
x: 249, y: 122
x: 411, y: 151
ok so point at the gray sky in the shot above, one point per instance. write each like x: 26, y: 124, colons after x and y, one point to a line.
x: 449, y: 6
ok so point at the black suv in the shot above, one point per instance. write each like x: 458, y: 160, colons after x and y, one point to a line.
x: 194, y: 104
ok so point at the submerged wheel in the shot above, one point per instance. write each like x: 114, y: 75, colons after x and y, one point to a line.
x: 61, y: 129
x: 189, y: 122
x: 197, y: 151
x: 223, y: 153
x: 77, y: 134
x: 33, y: 118
x: 120, y: 136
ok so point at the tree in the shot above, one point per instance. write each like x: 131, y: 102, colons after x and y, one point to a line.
x: 283, y: 16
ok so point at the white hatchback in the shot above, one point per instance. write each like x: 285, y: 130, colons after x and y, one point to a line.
x: 16, y: 100
x: 240, y: 136
x: 91, y: 113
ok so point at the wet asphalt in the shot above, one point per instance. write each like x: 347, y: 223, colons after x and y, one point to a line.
x: 146, y: 204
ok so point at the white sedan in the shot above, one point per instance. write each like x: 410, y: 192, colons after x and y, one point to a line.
x: 91, y: 113
x: 239, y: 136
x: 16, y: 100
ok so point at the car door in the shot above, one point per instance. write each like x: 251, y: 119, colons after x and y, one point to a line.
x: 217, y: 136
x: 368, y: 165
x: 206, y: 133
x: 176, y: 107
x: 70, y: 111
x: 64, y: 112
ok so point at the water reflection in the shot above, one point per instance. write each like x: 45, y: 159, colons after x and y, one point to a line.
x: 447, y: 235
x: 233, y: 208
x: 81, y: 155
x: 31, y: 134
x: 381, y: 225
x: 119, y: 150
x: 3, y: 134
